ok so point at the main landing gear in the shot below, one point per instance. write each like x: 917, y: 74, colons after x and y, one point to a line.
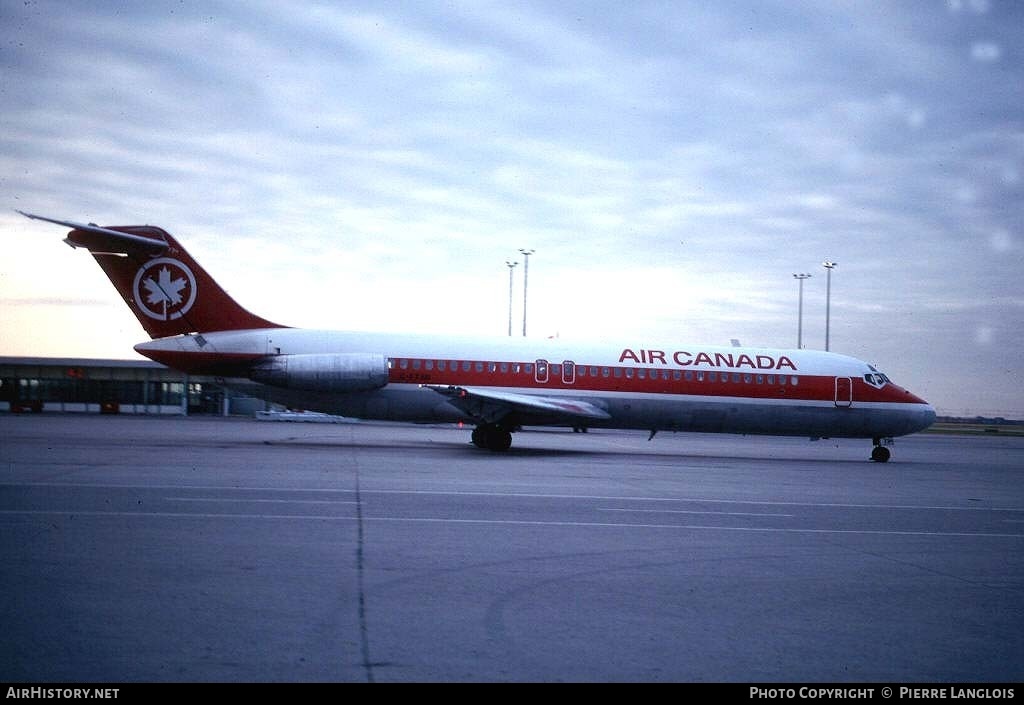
x: 880, y: 454
x: 492, y: 436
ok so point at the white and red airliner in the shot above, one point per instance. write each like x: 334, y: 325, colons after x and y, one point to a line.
x: 498, y: 384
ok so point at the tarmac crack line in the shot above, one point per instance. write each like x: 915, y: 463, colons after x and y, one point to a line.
x: 918, y: 566
x: 364, y: 632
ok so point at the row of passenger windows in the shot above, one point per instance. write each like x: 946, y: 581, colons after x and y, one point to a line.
x: 688, y: 375
x: 568, y: 371
x: 464, y: 365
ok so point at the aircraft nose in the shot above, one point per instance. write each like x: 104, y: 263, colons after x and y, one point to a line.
x: 927, y: 415
x: 921, y: 414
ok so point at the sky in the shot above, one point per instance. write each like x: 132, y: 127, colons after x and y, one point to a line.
x: 375, y: 165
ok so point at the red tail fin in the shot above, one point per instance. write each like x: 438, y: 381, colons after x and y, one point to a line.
x: 164, y: 287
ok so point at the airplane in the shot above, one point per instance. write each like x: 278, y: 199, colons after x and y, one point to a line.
x: 499, y: 385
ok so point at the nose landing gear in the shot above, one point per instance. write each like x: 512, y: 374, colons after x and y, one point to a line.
x: 881, y: 454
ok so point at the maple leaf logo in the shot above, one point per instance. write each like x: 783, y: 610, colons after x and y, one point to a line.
x: 165, y: 290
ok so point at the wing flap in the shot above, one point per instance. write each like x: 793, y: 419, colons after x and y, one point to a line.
x: 493, y: 405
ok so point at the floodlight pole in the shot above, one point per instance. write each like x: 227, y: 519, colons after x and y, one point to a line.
x: 511, y: 266
x: 800, y: 315
x: 526, y: 275
x: 829, y: 266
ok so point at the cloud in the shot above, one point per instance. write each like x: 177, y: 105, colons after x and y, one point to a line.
x: 986, y: 52
x: 1002, y: 242
x: 979, y: 7
x: 984, y: 335
x: 52, y: 301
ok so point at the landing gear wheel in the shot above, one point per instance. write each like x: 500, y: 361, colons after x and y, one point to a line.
x: 880, y: 454
x: 479, y: 438
x: 492, y: 437
x: 499, y: 439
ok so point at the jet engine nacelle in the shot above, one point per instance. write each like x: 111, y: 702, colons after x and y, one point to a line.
x: 336, y: 372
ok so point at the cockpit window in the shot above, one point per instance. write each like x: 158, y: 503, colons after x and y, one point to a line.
x: 877, y: 379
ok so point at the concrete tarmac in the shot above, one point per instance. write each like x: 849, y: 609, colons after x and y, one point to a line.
x: 149, y: 549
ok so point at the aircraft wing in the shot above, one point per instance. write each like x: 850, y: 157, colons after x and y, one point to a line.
x: 491, y: 405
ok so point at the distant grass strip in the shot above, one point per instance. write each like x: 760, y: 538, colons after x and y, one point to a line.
x: 992, y: 429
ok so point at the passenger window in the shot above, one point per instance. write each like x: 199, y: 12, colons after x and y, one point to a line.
x: 736, y: 377
x: 442, y: 365
x: 466, y: 365
x: 794, y: 381
x: 528, y: 368
x: 504, y: 368
x: 782, y: 379
x: 479, y: 367
x: 605, y: 371
x: 700, y: 376
x: 403, y: 364
x: 688, y: 376
x: 428, y: 364
x: 593, y: 372
x: 747, y: 378
x: 641, y: 373
x: 771, y: 379
x: 677, y: 375
x: 629, y: 373
x: 760, y: 379
x: 618, y: 373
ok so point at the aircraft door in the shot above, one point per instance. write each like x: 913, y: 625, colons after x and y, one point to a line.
x: 568, y: 372
x: 540, y: 374
x: 844, y: 391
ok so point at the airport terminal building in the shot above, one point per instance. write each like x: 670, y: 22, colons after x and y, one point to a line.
x: 40, y: 384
